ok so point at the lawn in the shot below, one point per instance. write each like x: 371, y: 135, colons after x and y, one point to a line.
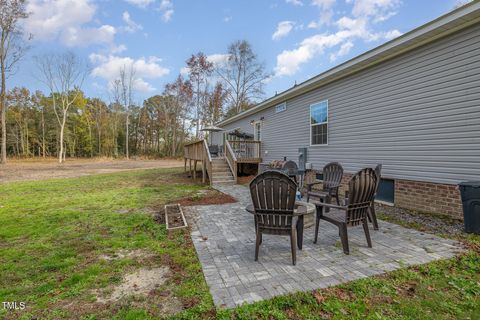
x: 66, y: 245
x: 60, y: 239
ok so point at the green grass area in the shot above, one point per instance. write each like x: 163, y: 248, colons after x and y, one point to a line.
x: 53, y: 234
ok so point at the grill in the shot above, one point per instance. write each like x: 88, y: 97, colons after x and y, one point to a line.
x: 290, y: 168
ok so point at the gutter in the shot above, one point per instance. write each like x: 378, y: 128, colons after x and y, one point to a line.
x: 447, y: 24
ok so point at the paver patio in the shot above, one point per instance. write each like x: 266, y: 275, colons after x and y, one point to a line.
x: 224, y: 237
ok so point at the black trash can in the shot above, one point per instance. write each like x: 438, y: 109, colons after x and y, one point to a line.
x: 470, y: 192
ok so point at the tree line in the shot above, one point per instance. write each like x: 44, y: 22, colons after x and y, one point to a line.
x: 63, y: 122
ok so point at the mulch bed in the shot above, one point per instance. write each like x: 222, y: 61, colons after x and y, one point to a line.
x: 175, y: 218
x: 210, y: 197
x: 245, y: 179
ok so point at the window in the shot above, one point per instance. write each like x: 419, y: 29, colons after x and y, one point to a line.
x: 257, y: 131
x: 319, y: 123
x: 281, y: 107
x: 386, y: 191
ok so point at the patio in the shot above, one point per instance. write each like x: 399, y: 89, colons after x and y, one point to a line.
x: 224, y: 238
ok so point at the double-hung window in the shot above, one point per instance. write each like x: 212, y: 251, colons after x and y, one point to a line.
x: 319, y: 123
x: 257, y: 131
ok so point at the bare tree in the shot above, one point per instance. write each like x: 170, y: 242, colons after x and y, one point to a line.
x: 243, y: 75
x: 123, y: 92
x: 64, y: 75
x: 199, y: 69
x: 181, y: 92
x: 12, y: 49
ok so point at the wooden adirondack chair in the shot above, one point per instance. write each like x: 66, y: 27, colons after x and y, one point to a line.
x: 332, y: 177
x: 361, y: 193
x: 372, y: 216
x: 273, y: 196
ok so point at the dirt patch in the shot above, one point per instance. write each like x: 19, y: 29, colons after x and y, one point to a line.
x: 207, y: 197
x: 245, y: 179
x: 141, y: 282
x: 201, y: 198
x: 137, y: 254
x: 174, y: 216
x: 22, y: 170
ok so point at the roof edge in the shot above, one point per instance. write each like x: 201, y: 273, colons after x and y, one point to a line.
x: 415, y: 38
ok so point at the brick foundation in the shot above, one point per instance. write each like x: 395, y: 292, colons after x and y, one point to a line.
x: 428, y: 197
x: 416, y: 195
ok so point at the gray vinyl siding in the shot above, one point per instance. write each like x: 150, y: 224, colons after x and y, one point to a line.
x: 417, y: 114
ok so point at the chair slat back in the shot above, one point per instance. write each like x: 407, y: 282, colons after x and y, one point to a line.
x: 332, y: 175
x: 273, y: 196
x: 378, y: 173
x: 361, y: 194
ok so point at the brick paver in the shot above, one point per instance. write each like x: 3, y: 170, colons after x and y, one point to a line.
x: 224, y: 237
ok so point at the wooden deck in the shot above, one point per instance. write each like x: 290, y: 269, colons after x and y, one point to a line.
x: 235, y: 153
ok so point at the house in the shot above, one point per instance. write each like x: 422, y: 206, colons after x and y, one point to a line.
x: 411, y: 104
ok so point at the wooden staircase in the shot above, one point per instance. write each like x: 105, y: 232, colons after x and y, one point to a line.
x: 221, y: 173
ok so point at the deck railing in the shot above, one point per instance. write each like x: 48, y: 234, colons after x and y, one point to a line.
x: 198, y: 151
x: 246, y: 150
x: 231, y: 159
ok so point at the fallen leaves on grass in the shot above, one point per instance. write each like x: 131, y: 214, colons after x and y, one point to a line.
x: 407, y: 289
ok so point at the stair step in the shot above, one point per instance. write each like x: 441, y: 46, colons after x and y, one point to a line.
x: 224, y: 182
x: 222, y: 177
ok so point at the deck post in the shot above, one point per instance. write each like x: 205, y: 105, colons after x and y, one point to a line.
x: 203, y: 171
x: 194, y: 170
x: 185, y: 165
x: 190, y: 167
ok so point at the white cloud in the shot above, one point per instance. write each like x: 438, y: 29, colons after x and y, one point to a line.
x: 227, y: 19
x: 283, y: 29
x: 344, y: 50
x: 379, y: 10
x: 79, y: 37
x: 326, y: 13
x: 108, y: 68
x: 140, y: 3
x: 166, y: 8
x: 392, y: 34
x: 118, y: 49
x: 131, y: 26
x: 218, y: 58
x: 64, y: 20
x: 289, y: 61
x: 349, y: 28
x: 295, y: 2
x: 324, y: 4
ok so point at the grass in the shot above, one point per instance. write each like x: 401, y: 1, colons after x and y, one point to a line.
x: 54, y: 232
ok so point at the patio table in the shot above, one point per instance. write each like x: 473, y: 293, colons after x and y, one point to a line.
x: 299, y: 211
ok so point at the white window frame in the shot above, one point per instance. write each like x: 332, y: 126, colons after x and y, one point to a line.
x: 281, y: 107
x: 255, y: 130
x: 316, y: 124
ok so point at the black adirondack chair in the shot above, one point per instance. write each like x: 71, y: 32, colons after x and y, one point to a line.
x: 362, y: 188
x: 332, y: 177
x: 273, y: 196
x: 372, y: 216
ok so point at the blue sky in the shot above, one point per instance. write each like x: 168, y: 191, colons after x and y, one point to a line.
x: 296, y: 39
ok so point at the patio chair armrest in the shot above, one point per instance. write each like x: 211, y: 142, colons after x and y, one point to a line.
x: 333, y: 188
x: 311, y: 184
x: 329, y: 205
x: 301, y: 210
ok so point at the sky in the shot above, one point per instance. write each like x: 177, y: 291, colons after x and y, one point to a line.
x: 296, y: 39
